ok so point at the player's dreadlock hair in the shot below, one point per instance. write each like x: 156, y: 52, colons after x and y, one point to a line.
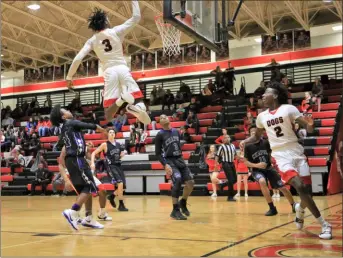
x: 98, y: 20
x: 56, y: 115
x: 281, y: 91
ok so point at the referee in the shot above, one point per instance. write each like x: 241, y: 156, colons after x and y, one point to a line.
x: 227, y: 153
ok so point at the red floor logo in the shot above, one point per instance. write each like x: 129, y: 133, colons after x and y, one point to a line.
x: 277, y: 250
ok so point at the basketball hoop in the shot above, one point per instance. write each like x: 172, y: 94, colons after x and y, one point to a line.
x: 170, y: 35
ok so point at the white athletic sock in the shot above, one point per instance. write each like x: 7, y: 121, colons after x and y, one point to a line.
x: 321, y: 221
x: 141, y: 106
x: 119, y: 102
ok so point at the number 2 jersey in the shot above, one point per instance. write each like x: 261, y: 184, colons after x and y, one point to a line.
x: 279, y: 125
x: 107, y: 44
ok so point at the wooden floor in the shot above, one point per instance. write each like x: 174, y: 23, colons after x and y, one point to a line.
x: 34, y: 226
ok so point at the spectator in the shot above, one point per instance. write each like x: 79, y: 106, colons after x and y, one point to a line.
x: 12, y: 135
x: 8, y: 120
x: 58, y: 180
x: 34, y: 146
x: 219, y: 76
x: 192, y: 122
x: 16, y: 160
x: 220, y: 139
x: 185, y: 137
x: 43, y: 178
x: 141, y: 138
x: 211, y: 86
x: 186, y: 91
x: 229, y: 78
x: 120, y: 120
x: 248, y: 121
x: 179, y: 99
x: 213, y: 169
x: 25, y: 107
x: 306, y: 104
x: 75, y: 105
x: 48, y: 102
x: 34, y: 106
x: 31, y: 125
x: 168, y: 99
x: 206, y: 97
x: 160, y: 95
x: 5, y: 143
x: 17, y: 113
x: 42, y: 129
x: 137, y: 141
x: 131, y: 142
x: 242, y: 171
x: 193, y: 106
x: 153, y: 96
x: 317, y: 93
x: 180, y: 113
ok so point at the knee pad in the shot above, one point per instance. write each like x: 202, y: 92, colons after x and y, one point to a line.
x: 176, y: 189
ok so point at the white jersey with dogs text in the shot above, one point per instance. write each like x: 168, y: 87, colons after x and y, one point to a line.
x: 279, y: 125
x: 107, y: 44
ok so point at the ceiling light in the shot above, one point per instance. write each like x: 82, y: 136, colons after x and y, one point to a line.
x: 327, y: 1
x: 2, y: 76
x: 336, y: 28
x: 258, y: 40
x: 34, y: 6
x: 2, y: 55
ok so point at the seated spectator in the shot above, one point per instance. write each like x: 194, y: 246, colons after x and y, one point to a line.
x: 31, y: 125
x: 317, y: 93
x: 140, y: 140
x: 41, y: 126
x: 5, y: 143
x: 11, y: 134
x: 43, y: 178
x: 8, y: 120
x: 17, y: 113
x: 120, y: 120
x: 58, y: 180
x: 180, y: 113
x: 131, y: 142
x: 193, y: 106
x: 220, y: 139
x: 193, y: 122
x: 206, y: 97
x: 25, y: 107
x: 185, y: 137
x: 179, y: 98
x: 16, y: 160
x: 185, y: 90
x: 306, y: 104
x: 160, y: 95
x: 168, y: 100
x: 211, y: 86
x: 248, y: 121
x: 32, y: 146
x: 34, y: 106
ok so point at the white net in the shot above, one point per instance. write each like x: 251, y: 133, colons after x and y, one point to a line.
x: 170, y: 35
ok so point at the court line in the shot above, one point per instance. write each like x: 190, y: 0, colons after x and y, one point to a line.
x: 115, y: 236
x: 34, y: 242
x: 259, y: 234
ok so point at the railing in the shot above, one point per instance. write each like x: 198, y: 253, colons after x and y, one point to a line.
x: 303, y: 72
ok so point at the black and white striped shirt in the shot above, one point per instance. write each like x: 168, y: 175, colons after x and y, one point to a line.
x: 227, y: 152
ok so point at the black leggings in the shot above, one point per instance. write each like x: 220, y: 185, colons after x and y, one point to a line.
x: 230, y: 173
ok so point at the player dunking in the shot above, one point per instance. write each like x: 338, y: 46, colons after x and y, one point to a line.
x: 119, y: 87
x: 168, y: 151
x: 113, y: 153
x: 278, y: 122
x: 80, y: 173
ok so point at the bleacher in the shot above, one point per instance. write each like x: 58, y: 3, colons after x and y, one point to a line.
x: 145, y: 174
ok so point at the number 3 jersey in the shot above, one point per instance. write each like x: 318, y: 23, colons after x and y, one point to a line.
x: 107, y: 44
x: 279, y: 125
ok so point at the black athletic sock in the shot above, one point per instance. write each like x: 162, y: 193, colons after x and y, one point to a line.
x: 175, y: 206
x: 121, y: 202
x: 271, y: 205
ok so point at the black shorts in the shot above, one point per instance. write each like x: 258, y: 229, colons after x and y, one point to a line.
x: 270, y: 175
x: 180, y: 169
x: 80, y: 175
x: 117, y: 174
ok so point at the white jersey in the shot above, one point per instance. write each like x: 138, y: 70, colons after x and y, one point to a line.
x: 107, y: 44
x: 279, y: 125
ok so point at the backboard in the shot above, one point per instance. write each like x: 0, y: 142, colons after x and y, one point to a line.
x: 198, y: 22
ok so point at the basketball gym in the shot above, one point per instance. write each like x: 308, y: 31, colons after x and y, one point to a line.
x: 176, y: 44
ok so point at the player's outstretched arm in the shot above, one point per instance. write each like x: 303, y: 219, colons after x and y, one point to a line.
x: 306, y: 122
x: 100, y: 149
x: 87, y: 48
x: 253, y: 138
x: 125, y: 28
